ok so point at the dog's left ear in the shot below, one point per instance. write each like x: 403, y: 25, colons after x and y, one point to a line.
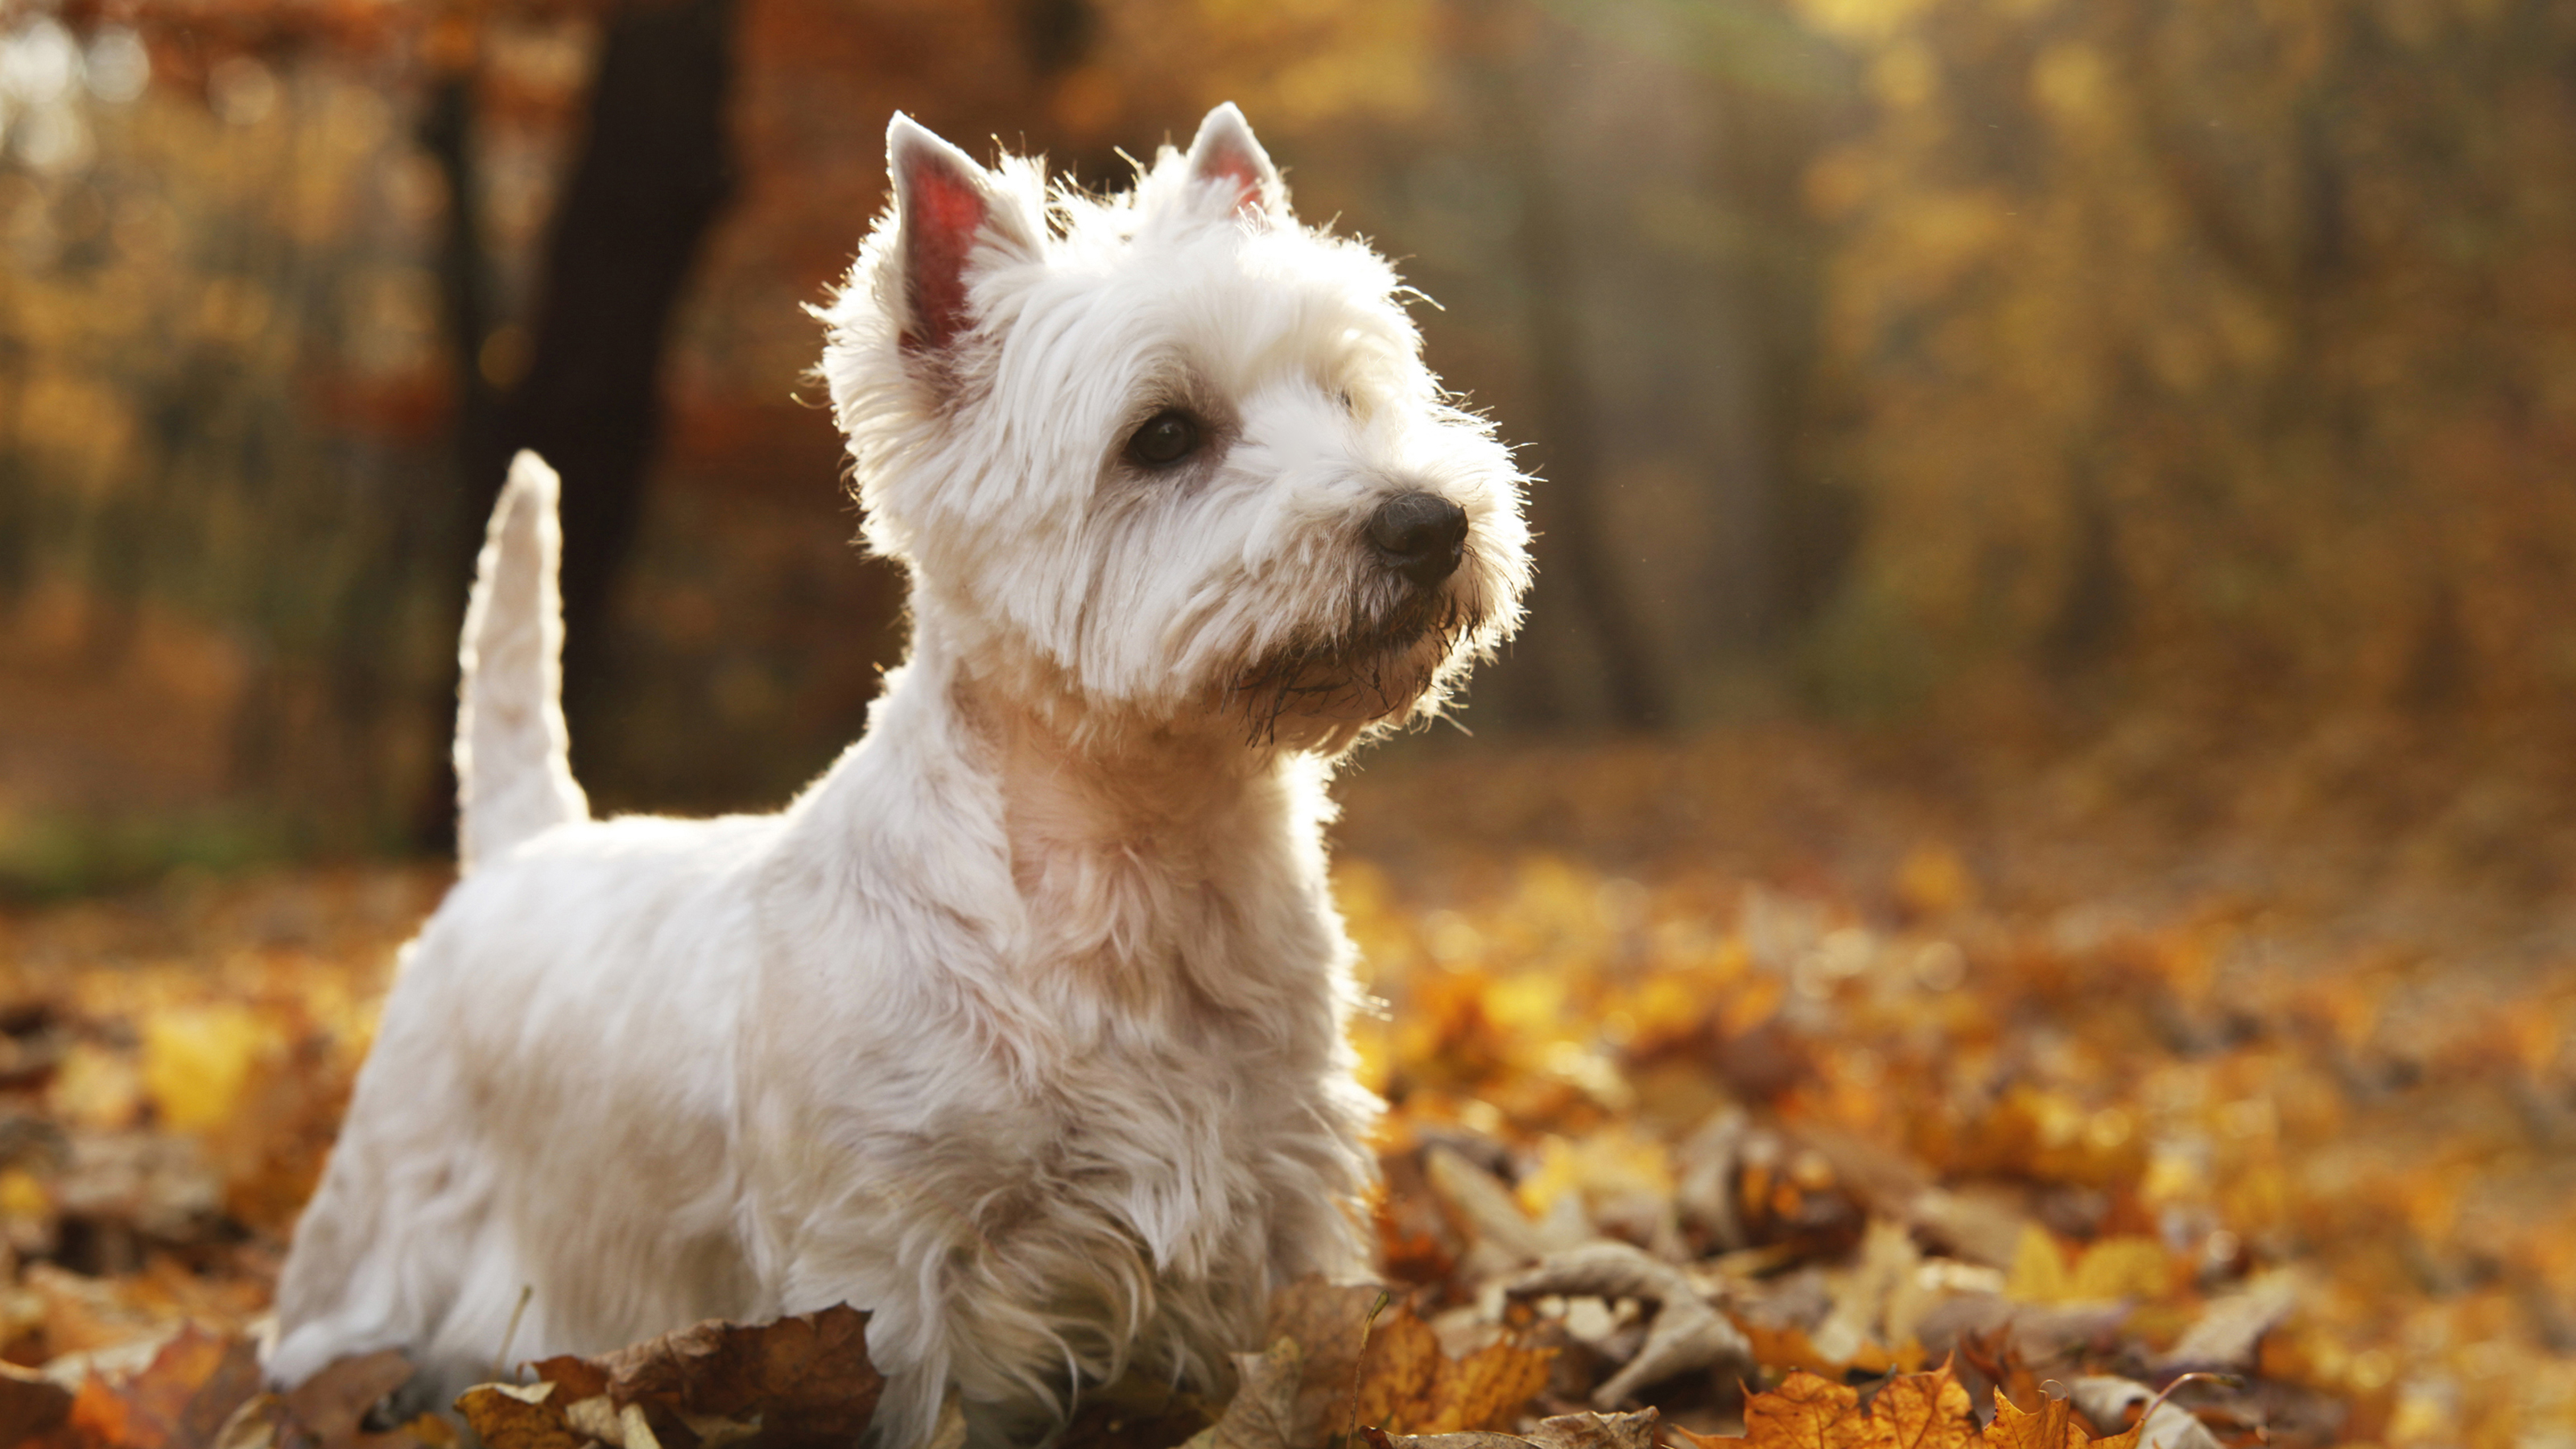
x: 945, y: 207
x: 1227, y: 152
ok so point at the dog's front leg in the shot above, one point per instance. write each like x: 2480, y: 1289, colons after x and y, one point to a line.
x: 907, y: 1343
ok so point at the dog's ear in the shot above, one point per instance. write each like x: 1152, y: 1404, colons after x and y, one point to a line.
x: 1226, y: 151
x: 945, y: 205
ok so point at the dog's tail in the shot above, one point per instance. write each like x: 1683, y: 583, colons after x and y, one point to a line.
x: 513, y: 755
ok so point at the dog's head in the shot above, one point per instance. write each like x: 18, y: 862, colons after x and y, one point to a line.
x: 1169, y: 455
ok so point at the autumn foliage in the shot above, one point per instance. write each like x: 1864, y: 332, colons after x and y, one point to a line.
x: 2194, y: 340
x: 1879, y: 1107
x: 2208, y: 355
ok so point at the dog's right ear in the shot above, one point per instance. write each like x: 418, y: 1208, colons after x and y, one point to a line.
x: 945, y: 205
x: 1226, y: 152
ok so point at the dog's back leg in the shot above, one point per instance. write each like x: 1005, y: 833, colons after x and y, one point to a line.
x: 388, y: 1242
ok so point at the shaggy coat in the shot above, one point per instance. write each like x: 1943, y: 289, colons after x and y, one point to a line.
x: 1023, y: 1027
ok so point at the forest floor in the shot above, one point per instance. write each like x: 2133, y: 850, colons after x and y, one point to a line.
x: 2079, y: 1070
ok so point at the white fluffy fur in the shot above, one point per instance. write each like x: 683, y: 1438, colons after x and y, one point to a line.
x: 1023, y: 1027
x: 511, y: 659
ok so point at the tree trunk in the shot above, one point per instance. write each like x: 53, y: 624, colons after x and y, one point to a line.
x: 1564, y: 508
x: 653, y: 172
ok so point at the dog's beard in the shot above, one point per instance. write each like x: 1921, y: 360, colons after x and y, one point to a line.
x: 1373, y: 669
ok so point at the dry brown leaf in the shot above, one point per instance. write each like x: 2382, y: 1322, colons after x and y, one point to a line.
x: 1686, y: 1334
x: 1913, y: 1411
x: 1812, y: 1413
x: 1501, y: 1236
x: 333, y: 1402
x: 1596, y: 1431
x: 808, y: 1377
x: 1408, y: 1386
x: 328, y: 1410
x: 1263, y: 1414
x: 1926, y: 1411
x: 576, y: 1379
x: 512, y: 1416
x: 1563, y: 1431
x: 1776, y: 1347
x: 178, y: 1401
x: 2053, y: 1427
x: 1467, y: 1439
x: 2228, y: 1331
x: 805, y: 1380
x: 32, y: 1407
x: 1329, y: 1322
x: 2161, y: 1423
x: 257, y: 1424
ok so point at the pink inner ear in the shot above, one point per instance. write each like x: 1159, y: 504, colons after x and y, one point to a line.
x: 1227, y: 163
x: 942, y: 211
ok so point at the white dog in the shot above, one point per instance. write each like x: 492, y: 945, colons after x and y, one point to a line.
x: 1022, y: 1028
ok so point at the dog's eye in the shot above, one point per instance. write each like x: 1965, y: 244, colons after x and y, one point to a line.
x: 1167, y: 438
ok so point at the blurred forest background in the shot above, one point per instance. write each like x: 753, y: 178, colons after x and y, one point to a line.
x: 2042, y: 767
x: 2197, y: 377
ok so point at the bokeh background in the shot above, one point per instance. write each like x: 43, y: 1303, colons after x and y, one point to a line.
x: 2016, y: 369
x: 2053, y: 655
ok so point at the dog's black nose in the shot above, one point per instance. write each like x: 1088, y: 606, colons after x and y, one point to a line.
x: 1419, y: 535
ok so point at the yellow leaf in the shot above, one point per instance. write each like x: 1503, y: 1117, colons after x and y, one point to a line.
x: 1408, y: 1386
x: 2123, y: 1267
x: 196, y: 1061
x: 2039, y: 1269
x: 1611, y: 1163
x: 1926, y: 1411
x: 1807, y: 1412
x: 23, y: 1199
x: 2053, y: 1427
x: 94, y: 1088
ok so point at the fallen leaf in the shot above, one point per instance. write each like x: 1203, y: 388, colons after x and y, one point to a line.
x: 1563, y: 1431
x: 257, y: 1424
x: 2039, y: 1272
x: 2053, y: 1427
x: 2122, y: 1267
x: 32, y: 1405
x: 1263, y: 1413
x: 1810, y: 1411
x: 178, y: 1401
x: 1926, y: 1410
x: 1705, y: 1190
x: 1912, y: 1411
x: 2107, y: 1400
x: 329, y: 1407
x: 1596, y: 1431
x: 1330, y: 1322
x: 265, y: 1421
x: 2229, y: 1329
x: 514, y: 1416
x: 1460, y: 1439
x: 1408, y: 1386
x: 808, y: 1376
x: 1686, y: 1334
x: 1501, y: 1237
x: 804, y: 1380
x: 196, y: 1061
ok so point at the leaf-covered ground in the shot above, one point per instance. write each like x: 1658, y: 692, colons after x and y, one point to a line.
x: 1775, y: 1060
